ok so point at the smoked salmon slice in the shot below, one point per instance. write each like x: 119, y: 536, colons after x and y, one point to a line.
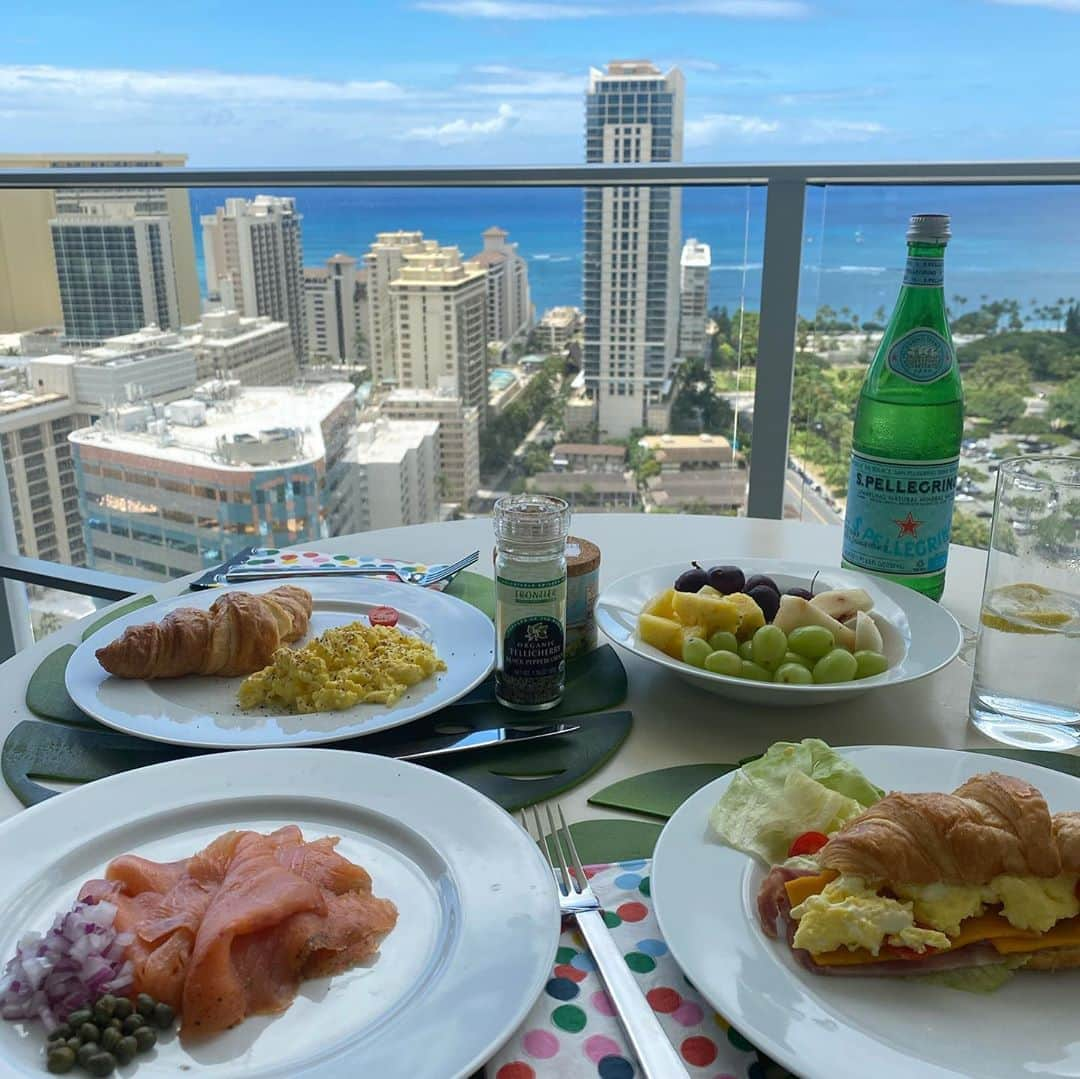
x: 233, y: 930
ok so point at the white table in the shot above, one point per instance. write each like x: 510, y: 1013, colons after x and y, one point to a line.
x: 674, y: 723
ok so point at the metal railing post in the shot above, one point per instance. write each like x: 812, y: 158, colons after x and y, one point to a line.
x: 784, y: 207
x: 16, y: 631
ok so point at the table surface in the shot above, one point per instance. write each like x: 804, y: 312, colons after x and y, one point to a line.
x: 674, y: 723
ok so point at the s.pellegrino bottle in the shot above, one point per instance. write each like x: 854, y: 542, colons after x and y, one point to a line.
x: 908, y: 428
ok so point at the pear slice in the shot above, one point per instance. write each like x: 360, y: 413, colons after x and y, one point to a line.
x: 843, y: 603
x: 867, y: 634
x: 795, y: 612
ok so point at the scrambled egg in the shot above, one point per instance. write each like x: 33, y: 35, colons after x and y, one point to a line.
x: 848, y: 913
x: 1034, y: 903
x: 347, y: 665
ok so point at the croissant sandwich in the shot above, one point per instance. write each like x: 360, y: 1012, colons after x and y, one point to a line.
x: 237, y: 635
x: 922, y: 882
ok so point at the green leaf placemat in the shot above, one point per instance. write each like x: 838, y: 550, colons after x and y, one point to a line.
x: 476, y: 589
x: 599, y: 841
x: 1060, y: 762
x: 46, y: 694
x: 659, y: 793
x: 125, y: 608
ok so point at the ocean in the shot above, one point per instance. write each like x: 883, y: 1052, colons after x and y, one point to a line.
x: 1008, y: 242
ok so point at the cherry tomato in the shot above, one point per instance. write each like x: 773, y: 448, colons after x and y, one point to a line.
x: 383, y: 616
x: 807, y: 843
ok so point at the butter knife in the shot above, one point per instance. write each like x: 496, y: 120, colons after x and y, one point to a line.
x: 458, y: 740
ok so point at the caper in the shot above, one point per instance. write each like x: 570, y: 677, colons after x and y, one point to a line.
x: 60, y: 1059
x: 164, y: 1016
x: 132, y: 1024
x: 88, y: 1032
x: 113, y: 1024
x: 123, y: 1008
x: 144, y: 1004
x: 74, y: 1044
x: 103, y: 1013
x: 145, y: 1038
x: 110, y: 1038
x: 101, y: 1064
x: 77, y: 1018
x: 60, y: 1033
x: 86, y: 1051
x: 125, y: 1050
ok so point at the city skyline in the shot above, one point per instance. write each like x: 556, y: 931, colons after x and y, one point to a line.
x: 502, y: 81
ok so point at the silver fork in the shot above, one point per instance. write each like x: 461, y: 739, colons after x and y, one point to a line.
x: 428, y: 577
x: 656, y: 1055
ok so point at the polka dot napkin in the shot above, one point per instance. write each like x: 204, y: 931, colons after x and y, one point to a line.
x: 572, y: 1032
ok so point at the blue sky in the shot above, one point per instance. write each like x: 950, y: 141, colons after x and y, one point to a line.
x: 500, y: 81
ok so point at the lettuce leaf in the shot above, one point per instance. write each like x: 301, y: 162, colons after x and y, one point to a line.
x: 794, y: 787
x: 988, y: 979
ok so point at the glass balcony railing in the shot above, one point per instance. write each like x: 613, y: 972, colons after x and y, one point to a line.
x: 200, y: 361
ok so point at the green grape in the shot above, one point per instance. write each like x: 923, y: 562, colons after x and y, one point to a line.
x: 724, y: 662
x: 769, y: 645
x: 836, y: 666
x: 722, y: 641
x: 794, y: 657
x: 755, y: 672
x: 746, y: 650
x: 694, y: 651
x: 793, y: 674
x: 867, y: 664
x: 811, y: 641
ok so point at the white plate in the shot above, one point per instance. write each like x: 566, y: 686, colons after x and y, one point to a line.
x: 478, y: 917
x: 197, y: 711
x: 920, y: 636
x: 847, y: 1028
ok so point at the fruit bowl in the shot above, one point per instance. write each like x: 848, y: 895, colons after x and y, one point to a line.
x: 918, y: 636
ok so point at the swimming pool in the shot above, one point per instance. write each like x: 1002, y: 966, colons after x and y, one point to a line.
x: 500, y: 377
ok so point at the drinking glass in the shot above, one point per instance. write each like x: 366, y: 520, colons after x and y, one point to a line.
x: 1026, y: 689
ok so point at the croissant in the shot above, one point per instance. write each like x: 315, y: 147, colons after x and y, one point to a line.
x: 237, y: 635
x: 991, y: 825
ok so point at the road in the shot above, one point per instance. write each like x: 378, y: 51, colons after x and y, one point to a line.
x: 809, y: 505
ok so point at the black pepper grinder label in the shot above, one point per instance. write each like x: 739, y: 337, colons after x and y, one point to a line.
x: 533, y: 660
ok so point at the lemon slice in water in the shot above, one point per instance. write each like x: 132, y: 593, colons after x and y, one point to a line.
x: 1029, y: 608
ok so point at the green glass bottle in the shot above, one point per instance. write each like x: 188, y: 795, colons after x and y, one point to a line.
x: 908, y: 427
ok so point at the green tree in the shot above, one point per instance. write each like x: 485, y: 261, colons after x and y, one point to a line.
x: 1065, y: 404
x: 968, y: 530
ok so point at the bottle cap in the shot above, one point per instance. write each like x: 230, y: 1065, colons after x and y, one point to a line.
x: 929, y: 229
x: 531, y: 520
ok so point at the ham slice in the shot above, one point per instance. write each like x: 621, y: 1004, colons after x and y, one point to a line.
x: 233, y: 930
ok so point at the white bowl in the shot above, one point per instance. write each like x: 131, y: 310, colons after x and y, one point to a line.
x: 919, y: 635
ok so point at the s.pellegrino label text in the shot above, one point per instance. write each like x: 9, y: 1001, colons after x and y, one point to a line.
x: 924, y: 272
x: 899, y: 515
x: 921, y: 355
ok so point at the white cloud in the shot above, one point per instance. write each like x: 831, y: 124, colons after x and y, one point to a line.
x: 522, y: 82
x: 737, y: 9
x: 714, y: 124
x: 817, y: 131
x: 529, y: 9
x: 124, y: 85
x: 510, y: 9
x: 462, y: 130
x: 1072, y: 6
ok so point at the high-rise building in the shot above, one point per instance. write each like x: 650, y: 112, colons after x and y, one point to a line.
x: 440, y: 320
x: 509, y: 306
x: 558, y: 327
x: 633, y: 113
x: 693, y: 298
x: 254, y: 351
x: 394, y: 468
x: 459, y: 435
x: 227, y: 469
x: 254, y: 254
x: 383, y: 261
x: 115, y: 270
x: 336, y: 310
x: 29, y: 294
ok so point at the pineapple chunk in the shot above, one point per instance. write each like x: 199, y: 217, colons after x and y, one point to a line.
x: 660, y: 604
x: 751, y: 617
x: 708, y: 590
x: 693, y: 608
x: 662, y: 633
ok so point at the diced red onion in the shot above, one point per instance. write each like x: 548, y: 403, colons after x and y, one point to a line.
x: 80, y: 957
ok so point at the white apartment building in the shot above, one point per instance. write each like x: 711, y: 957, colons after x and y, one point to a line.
x: 228, y: 469
x: 254, y: 254
x: 29, y: 293
x: 104, y: 378
x: 694, y: 265
x: 509, y: 306
x: 558, y: 327
x: 440, y: 319
x: 458, y: 465
x: 383, y: 262
x: 255, y: 351
x: 115, y: 271
x: 633, y: 113
x: 394, y: 466
x: 336, y: 310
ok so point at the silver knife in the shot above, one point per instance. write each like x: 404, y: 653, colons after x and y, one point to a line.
x: 483, y: 738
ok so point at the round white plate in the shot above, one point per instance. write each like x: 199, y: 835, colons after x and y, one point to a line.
x: 846, y: 1028
x: 198, y: 711
x: 920, y: 636
x: 478, y: 918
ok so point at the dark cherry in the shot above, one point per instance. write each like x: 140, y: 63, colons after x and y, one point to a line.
x: 768, y: 599
x: 802, y: 593
x: 691, y: 580
x: 727, y: 579
x: 760, y: 580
